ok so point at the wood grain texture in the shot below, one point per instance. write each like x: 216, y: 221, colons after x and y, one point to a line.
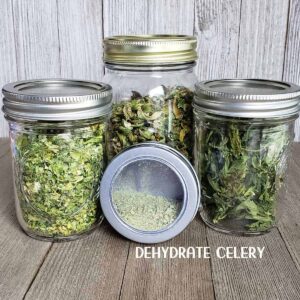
x: 148, y: 17
x: 262, y: 38
x: 20, y: 255
x: 90, y: 268
x: 4, y: 147
x: 36, y: 38
x: 291, y: 70
x: 80, y: 39
x: 170, y: 278
x: 170, y: 16
x: 8, y: 64
x: 289, y: 223
x: 217, y: 30
x: 275, y: 276
x: 57, y: 38
x: 125, y: 17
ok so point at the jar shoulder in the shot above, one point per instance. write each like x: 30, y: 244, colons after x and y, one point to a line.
x: 124, y: 84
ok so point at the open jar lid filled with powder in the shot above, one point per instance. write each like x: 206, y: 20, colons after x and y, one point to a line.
x: 149, y: 193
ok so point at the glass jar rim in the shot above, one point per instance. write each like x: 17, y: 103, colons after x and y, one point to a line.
x: 150, y: 68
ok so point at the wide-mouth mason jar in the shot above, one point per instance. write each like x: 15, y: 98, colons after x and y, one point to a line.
x: 243, y: 133
x: 58, y: 147
x: 153, y: 87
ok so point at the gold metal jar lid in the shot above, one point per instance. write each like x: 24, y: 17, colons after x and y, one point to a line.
x: 157, y: 49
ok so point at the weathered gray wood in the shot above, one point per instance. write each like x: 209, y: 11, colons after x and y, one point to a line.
x: 124, y: 17
x: 291, y: 70
x: 217, y: 30
x: 80, y: 39
x: 20, y: 255
x: 170, y: 278
x: 243, y: 38
x: 36, y: 38
x: 275, y: 276
x: 170, y: 16
x: 148, y: 17
x: 289, y: 208
x: 4, y: 146
x: 262, y: 38
x: 90, y: 268
x: 8, y: 66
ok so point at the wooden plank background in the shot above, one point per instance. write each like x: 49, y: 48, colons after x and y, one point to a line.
x: 63, y: 38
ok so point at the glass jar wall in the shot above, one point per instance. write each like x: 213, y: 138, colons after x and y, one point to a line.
x: 243, y: 133
x: 153, y: 91
x: 242, y: 165
x: 58, y: 149
x: 57, y: 169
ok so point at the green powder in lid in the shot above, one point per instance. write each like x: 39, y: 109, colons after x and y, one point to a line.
x: 145, y: 211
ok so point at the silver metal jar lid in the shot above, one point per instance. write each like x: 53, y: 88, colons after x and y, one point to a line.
x: 159, y: 170
x: 56, y: 99
x: 248, y: 98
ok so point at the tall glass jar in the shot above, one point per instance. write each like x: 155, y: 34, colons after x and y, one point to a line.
x: 243, y: 133
x: 57, y: 139
x: 153, y: 82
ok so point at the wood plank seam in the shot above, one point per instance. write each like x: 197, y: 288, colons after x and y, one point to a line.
x: 58, y: 35
x: 291, y: 64
x: 289, y: 248
x: 286, y: 38
x: 210, y: 263
x: 5, y: 153
x: 15, y: 38
x: 195, y: 18
x: 285, y: 59
x: 102, y: 25
x: 232, y: 289
x: 103, y: 35
x: 239, y: 35
x: 124, y: 271
x: 37, y: 271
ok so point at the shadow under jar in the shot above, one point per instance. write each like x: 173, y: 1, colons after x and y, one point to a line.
x: 243, y: 133
x: 57, y: 139
x: 153, y: 82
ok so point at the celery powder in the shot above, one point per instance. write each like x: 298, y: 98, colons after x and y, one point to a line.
x: 145, y: 211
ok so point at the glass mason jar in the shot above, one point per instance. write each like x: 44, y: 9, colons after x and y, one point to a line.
x: 57, y: 139
x: 153, y: 82
x: 243, y: 133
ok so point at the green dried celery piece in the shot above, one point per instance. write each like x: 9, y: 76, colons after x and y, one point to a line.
x: 166, y: 119
x: 242, y: 169
x: 180, y: 122
x: 57, y: 178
